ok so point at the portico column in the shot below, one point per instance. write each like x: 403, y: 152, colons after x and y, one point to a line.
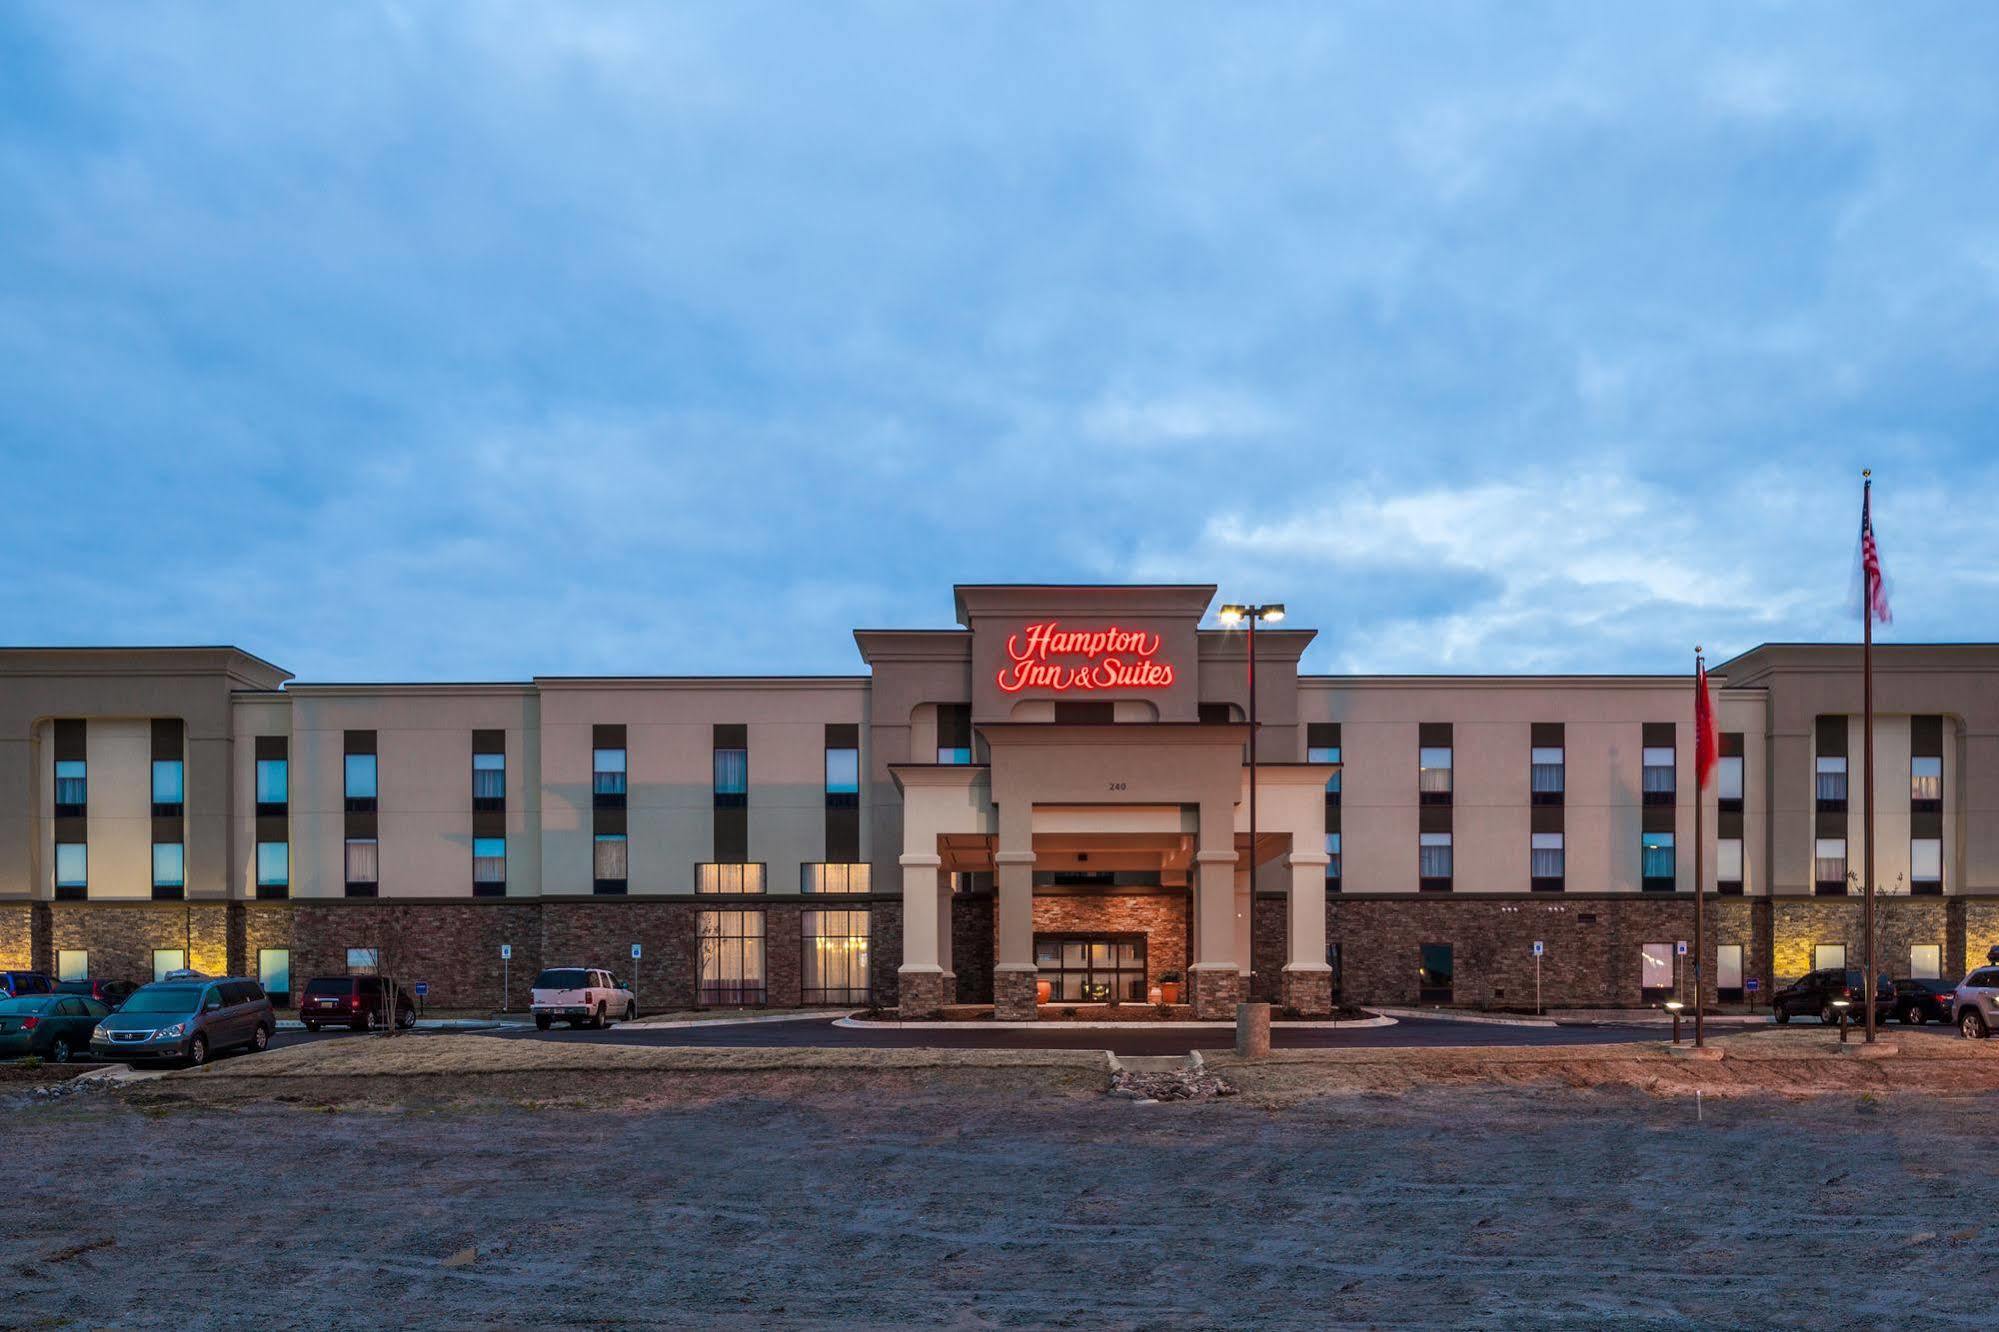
x: 1014, y: 972
x: 1216, y: 976
x: 921, y: 975
x: 1308, y: 981
x: 944, y: 961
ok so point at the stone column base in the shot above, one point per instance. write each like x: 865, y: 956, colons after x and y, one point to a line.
x: 1013, y: 994
x: 923, y: 993
x: 1217, y: 990
x: 1309, y: 990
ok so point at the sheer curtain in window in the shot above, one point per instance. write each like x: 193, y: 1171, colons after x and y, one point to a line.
x: 1433, y: 856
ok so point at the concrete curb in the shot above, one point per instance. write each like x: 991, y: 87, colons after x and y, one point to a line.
x: 1483, y: 1019
x: 430, y: 1024
x: 675, y: 1024
x: 861, y: 1024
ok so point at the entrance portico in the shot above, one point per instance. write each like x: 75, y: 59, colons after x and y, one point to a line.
x: 1104, y: 811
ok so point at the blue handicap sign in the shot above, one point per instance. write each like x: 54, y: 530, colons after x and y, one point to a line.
x: 423, y: 989
x: 1752, y: 985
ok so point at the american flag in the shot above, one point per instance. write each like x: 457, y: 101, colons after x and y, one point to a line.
x: 1874, y: 588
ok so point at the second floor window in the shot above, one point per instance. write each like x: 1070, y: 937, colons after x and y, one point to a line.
x: 1433, y: 775
x: 732, y: 772
x: 954, y: 733
x: 1829, y: 864
x: 1326, y: 754
x: 1659, y: 781
x: 1831, y: 784
x: 1926, y: 781
x: 489, y: 779
x: 1332, y: 855
x: 834, y: 877
x: 273, y: 782
x: 169, y: 784
x: 489, y: 860
x: 364, y: 864
x: 1656, y: 859
x: 274, y: 864
x: 1545, y: 856
x: 1728, y: 860
x: 72, y: 864
x: 1548, y: 775
x: 613, y: 861
x: 1433, y: 855
x: 1926, y: 864
x: 1728, y: 779
x: 361, y: 793
x: 72, y: 786
x: 169, y: 865
x: 728, y: 877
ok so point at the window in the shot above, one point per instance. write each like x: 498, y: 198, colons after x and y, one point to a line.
x: 1831, y: 787
x: 835, y: 966
x: 169, y: 870
x: 827, y: 877
x: 1728, y: 864
x: 1655, y: 968
x: 954, y: 733
x: 166, y: 961
x: 607, y: 778
x: 489, y: 865
x: 732, y: 957
x: 363, y: 866
x: 1926, y: 962
x: 1829, y: 865
x: 72, y: 869
x: 1728, y: 973
x: 1546, y: 858
x: 1326, y: 754
x: 1435, y: 976
x: 728, y: 877
x: 1547, y: 775
x: 613, y: 862
x: 1656, y: 861
x: 72, y: 964
x: 274, y: 868
x: 1092, y: 969
x: 274, y: 973
x: 1433, y: 775
x: 1728, y: 779
x: 1659, y: 781
x: 362, y: 961
x: 1433, y: 859
x: 273, y: 785
x: 72, y: 788
x: 1333, y: 859
x: 360, y: 783
x: 843, y: 776
x: 1926, y: 782
x: 1926, y: 865
x: 489, y: 781
x: 732, y: 774
x: 169, y: 787
x: 1829, y: 957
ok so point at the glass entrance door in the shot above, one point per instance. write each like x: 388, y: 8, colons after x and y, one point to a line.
x: 1092, y: 968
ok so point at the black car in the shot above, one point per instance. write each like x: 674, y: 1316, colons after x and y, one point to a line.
x: 352, y: 1001
x: 1920, y: 1001
x: 1816, y: 993
x: 110, y: 993
x: 23, y: 982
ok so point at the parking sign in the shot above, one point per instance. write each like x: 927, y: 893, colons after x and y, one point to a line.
x: 1681, y: 948
x: 635, y: 952
x: 506, y: 952
x: 1539, y: 948
x: 422, y: 989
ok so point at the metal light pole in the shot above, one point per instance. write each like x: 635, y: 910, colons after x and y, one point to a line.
x: 1232, y: 614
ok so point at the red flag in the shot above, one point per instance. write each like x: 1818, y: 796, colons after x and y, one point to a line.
x: 1874, y: 588
x: 1707, y: 745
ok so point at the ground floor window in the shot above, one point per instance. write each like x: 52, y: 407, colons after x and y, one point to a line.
x: 362, y: 961
x: 1436, y: 976
x: 1655, y: 970
x: 732, y: 957
x: 1926, y: 962
x: 1082, y: 968
x: 1829, y: 957
x: 274, y: 973
x: 72, y: 964
x: 836, y: 957
x: 168, y: 960
x: 1728, y: 973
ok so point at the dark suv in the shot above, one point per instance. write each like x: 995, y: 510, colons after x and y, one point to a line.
x: 352, y: 1001
x: 1815, y: 992
x: 110, y: 992
x: 14, y: 983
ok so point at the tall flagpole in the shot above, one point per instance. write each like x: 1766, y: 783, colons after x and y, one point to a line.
x: 1700, y: 888
x: 1867, y: 742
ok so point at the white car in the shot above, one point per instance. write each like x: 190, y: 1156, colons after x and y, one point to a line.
x: 577, y: 995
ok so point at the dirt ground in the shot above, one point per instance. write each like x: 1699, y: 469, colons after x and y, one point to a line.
x: 916, y: 1189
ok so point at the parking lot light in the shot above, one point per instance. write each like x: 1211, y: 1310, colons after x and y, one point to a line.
x: 1841, y: 1005
x: 1674, y: 1006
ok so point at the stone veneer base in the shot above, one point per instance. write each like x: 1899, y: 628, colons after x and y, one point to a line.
x: 1216, y: 993
x: 923, y: 994
x: 1310, y: 992
x: 1013, y: 996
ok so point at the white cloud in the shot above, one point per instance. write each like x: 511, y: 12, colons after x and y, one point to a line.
x: 1178, y: 418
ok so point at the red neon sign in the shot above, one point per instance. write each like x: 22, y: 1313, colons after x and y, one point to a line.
x: 1112, y: 658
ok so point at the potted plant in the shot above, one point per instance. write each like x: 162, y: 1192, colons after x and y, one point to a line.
x: 1043, y: 991
x: 1169, y: 987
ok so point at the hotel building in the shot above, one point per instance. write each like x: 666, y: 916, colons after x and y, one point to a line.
x: 1049, y: 802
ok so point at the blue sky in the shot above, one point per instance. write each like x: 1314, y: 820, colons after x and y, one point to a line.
x: 478, y: 341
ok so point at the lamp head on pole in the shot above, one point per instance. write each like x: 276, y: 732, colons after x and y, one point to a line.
x: 1270, y: 614
x: 1232, y: 613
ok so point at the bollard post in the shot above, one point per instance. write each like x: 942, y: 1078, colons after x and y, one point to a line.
x: 1252, y: 1030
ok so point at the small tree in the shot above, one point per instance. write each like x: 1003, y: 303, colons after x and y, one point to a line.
x: 704, y: 947
x: 395, y: 961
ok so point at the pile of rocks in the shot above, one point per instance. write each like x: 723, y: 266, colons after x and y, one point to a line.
x: 1179, y: 1085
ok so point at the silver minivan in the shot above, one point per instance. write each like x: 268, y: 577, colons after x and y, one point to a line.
x: 187, y: 1018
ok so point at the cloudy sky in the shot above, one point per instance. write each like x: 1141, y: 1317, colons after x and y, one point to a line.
x: 408, y: 341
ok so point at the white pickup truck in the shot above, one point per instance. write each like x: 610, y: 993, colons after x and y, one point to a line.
x: 579, y: 995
